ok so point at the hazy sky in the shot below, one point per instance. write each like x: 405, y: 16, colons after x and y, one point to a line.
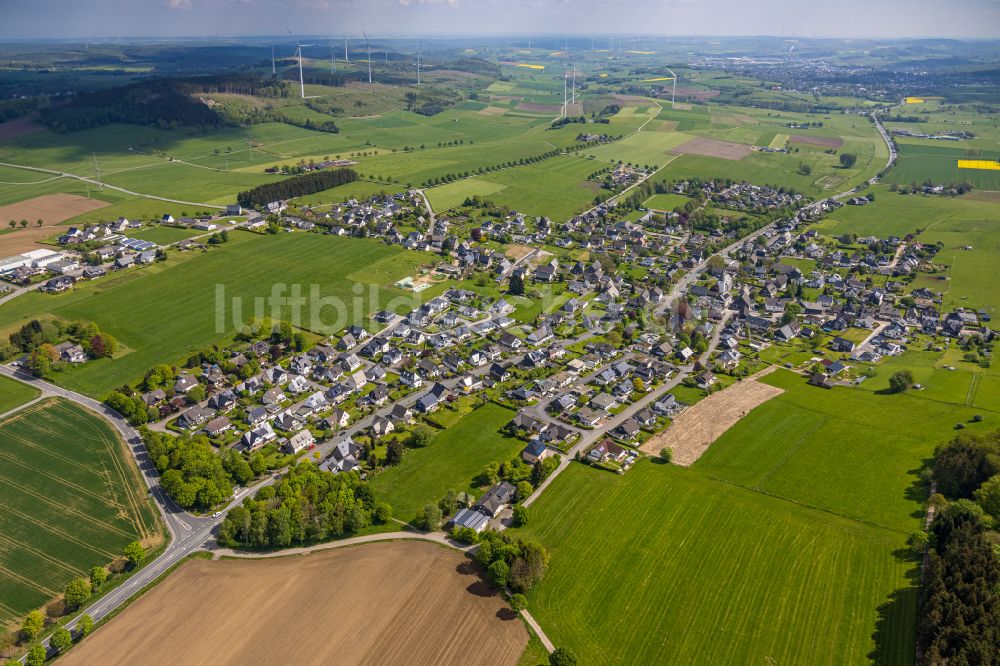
x: 834, y: 18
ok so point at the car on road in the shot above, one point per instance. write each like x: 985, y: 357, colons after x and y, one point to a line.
x: 216, y: 514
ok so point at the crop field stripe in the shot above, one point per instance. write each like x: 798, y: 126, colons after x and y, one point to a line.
x: 60, y: 533
x: 41, y: 555
x: 80, y: 515
x: 54, y: 477
x: 27, y: 581
x: 117, y: 448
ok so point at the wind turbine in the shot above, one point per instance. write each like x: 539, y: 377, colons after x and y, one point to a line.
x: 418, y: 64
x: 302, y: 81
x: 369, y: 45
x: 274, y: 70
x: 564, y: 110
x: 574, y: 85
x: 347, y: 58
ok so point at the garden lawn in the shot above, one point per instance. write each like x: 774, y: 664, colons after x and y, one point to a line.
x: 452, y: 461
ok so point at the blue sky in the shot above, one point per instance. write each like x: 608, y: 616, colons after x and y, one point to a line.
x: 833, y: 18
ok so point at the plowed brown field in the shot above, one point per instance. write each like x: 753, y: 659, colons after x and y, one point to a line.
x: 382, y: 603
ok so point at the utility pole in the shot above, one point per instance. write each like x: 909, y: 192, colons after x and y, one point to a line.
x: 97, y: 172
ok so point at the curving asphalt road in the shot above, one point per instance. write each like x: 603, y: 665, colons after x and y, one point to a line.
x: 187, y: 533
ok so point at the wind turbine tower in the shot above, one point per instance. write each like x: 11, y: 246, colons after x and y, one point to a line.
x: 564, y: 94
x: 347, y: 58
x: 302, y: 81
x: 333, y: 58
x: 369, y: 46
x: 274, y: 70
x: 418, y: 65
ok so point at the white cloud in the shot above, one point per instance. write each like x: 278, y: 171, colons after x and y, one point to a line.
x: 179, y: 4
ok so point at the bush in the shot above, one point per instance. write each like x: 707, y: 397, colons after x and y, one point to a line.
x: 520, y: 515
x: 465, y: 535
x: 430, y: 518
x: 518, y: 602
x: 667, y: 454
x: 383, y: 512
x: 98, y: 575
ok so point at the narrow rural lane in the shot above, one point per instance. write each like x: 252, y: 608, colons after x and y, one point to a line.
x: 439, y: 538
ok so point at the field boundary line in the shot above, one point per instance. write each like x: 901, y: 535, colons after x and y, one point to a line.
x: 786, y: 457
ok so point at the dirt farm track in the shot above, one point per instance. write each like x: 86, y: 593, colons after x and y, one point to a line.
x: 381, y: 603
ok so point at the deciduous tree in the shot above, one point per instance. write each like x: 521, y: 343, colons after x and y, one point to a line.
x: 61, y: 640
x: 76, y: 593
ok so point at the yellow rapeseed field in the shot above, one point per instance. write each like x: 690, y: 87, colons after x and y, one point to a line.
x: 991, y: 165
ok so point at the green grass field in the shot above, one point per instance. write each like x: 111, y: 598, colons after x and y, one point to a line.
x: 71, y: 501
x: 557, y: 188
x: 14, y: 393
x: 938, y: 161
x: 164, y: 312
x: 450, y: 462
x: 666, y: 565
x: 163, y: 235
x: 666, y: 201
x: 846, y: 450
x: 792, y: 524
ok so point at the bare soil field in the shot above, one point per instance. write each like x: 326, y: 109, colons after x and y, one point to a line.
x: 694, y: 430
x: 818, y: 141
x: 382, y: 603
x: 726, y: 150
x: 18, y: 127
x: 492, y: 111
x: 51, y: 209
x: 630, y: 98
x: 697, y: 93
x: 515, y: 251
x: 541, y: 108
